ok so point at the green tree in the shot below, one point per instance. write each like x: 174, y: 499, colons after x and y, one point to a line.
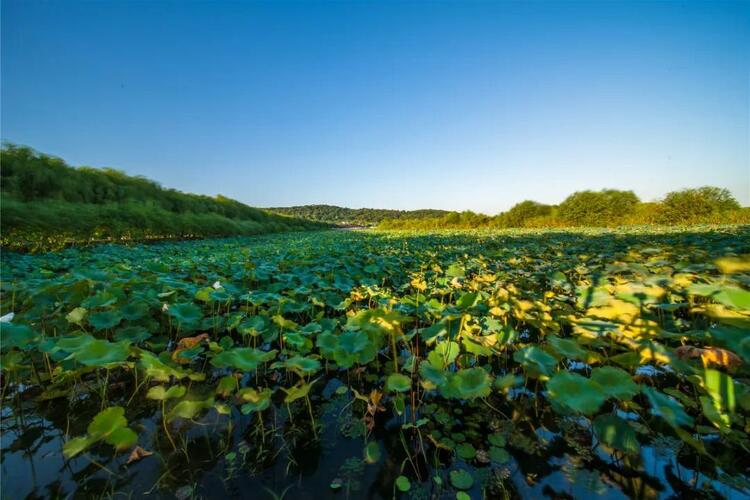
x: 598, y: 208
x: 523, y: 211
x: 697, y: 204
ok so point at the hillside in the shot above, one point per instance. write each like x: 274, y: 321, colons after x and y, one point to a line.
x: 354, y: 216
x: 47, y: 204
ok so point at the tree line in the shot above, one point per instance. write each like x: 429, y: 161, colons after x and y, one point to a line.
x: 343, y: 216
x: 47, y: 203
x: 605, y: 208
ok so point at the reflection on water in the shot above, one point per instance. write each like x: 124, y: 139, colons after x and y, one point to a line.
x: 217, y: 458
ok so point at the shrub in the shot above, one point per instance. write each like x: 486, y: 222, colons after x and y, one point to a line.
x: 607, y: 207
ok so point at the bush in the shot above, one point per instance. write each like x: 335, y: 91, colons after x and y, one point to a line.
x: 695, y: 205
x: 520, y: 213
x: 608, y: 207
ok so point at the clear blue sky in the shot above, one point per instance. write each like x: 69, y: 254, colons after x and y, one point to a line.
x: 470, y: 105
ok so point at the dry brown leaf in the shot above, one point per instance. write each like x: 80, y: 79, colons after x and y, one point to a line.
x: 185, y: 344
x: 710, y: 356
x: 137, y: 454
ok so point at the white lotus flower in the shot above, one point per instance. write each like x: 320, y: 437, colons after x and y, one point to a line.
x: 7, y: 318
x: 165, y: 307
x: 217, y: 285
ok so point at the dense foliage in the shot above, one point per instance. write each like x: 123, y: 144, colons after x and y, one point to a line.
x: 353, y: 216
x: 46, y: 203
x: 472, y: 364
x: 606, y: 208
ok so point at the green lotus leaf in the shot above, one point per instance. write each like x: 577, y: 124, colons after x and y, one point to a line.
x: 15, y: 335
x: 466, y: 451
x: 616, y: 433
x: 255, y: 400
x: 77, y: 315
x: 77, y: 445
x: 734, y: 297
x: 227, y: 385
x: 133, y: 334
x: 186, y: 313
x: 455, y: 270
x: 122, y: 438
x: 73, y: 343
x: 721, y: 388
x: 160, y: 393
x: 433, y: 375
x: 243, y: 358
x: 578, y: 393
x: 105, y: 319
x: 507, y: 381
x: 715, y: 414
x: 433, y: 331
x: 327, y: 344
x: 397, y: 382
x: 298, y: 391
x: 461, y: 479
x: 254, y: 326
x: 467, y: 300
x: 158, y: 370
x: 372, y: 452
x: 188, y: 409
x: 615, y: 382
x: 298, y: 342
x: 443, y: 354
x: 133, y: 311
x: 303, y: 366
x: 496, y: 439
x: 107, y: 421
x: 285, y: 324
x: 667, y: 408
x: 472, y: 383
x: 311, y: 328
x: 354, y: 347
x: 353, y: 342
x: 536, y: 361
x: 101, y: 352
x: 499, y: 455
x: 566, y: 348
x: 403, y: 484
x: 101, y: 299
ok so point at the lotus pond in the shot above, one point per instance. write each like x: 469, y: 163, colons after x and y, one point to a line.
x: 357, y: 364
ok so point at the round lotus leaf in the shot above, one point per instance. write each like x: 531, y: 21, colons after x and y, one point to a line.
x: 473, y: 383
x: 667, y: 408
x: 122, y: 438
x: 372, y: 452
x: 133, y: 311
x: 398, y: 382
x: 428, y: 372
x: 303, y: 366
x: 101, y: 352
x: 578, y: 393
x: 185, y: 313
x: 616, y: 433
x: 107, y: 421
x: 403, y: 484
x: 15, y: 335
x: 134, y: 334
x: 499, y: 455
x: 461, y: 479
x: 615, y: 382
x: 466, y: 451
x: 105, y: 319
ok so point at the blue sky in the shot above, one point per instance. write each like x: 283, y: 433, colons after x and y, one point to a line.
x: 470, y: 105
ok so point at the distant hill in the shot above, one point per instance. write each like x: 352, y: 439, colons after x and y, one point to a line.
x: 47, y: 204
x: 343, y: 216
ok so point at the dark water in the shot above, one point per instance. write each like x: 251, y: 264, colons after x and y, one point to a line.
x: 284, y: 460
